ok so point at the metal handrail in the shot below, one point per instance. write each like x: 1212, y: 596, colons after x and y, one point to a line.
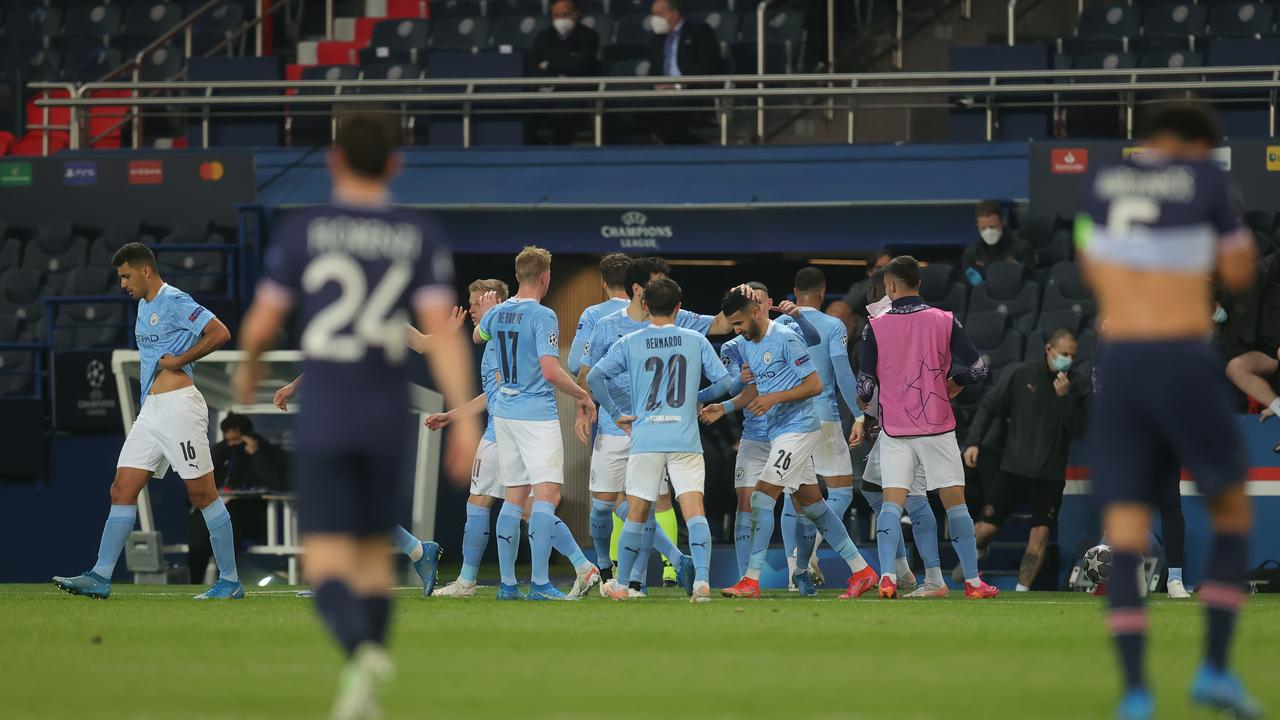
x: 1013, y: 15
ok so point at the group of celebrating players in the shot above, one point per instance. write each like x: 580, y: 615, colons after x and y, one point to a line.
x: 1152, y: 231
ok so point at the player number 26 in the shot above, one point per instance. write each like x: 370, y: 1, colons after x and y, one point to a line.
x: 377, y: 320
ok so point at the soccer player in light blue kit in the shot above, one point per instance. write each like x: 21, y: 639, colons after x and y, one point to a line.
x: 659, y: 362
x: 612, y: 445
x: 172, y: 429
x: 613, y: 278
x: 782, y: 386
x: 526, y: 423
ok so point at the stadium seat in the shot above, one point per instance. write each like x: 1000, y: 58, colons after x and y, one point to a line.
x: 8, y: 329
x: 999, y: 346
x: 692, y: 7
x: 1171, y: 59
x: 390, y: 71
x: 22, y: 292
x: 161, y: 64
x: 1171, y: 27
x: 224, y: 19
x: 152, y: 18
x: 10, y: 252
x: 594, y: 7
x: 631, y: 38
x: 1241, y: 20
x: 1007, y: 291
x: 197, y: 272
x: 1051, y: 321
x: 1035, y: 228
x: 467, y: 34
x: 55, y: 252
x: 451, y: 9
x: 514, y: 8
x: 1059, y: 249
x: 724, y: 23
x: 1103, y: 29
x: 92, y: 20
x: 1104, y: 61
x: 114, y: 236
x: 412, y: 36
x: 784, y: 27
x: 313, y: 124
x: 382, y: 56
x: 16, y: 373
x: 41, y: 65
x: 603, y: 25
x: 84, y: 63
x: 192, y: 231
x: 1065, y: 290
x: 89, y: 280
x: 940, y: 287
x: 153, y: 233
x: 516, y: 31
x: 619, y: 8
x: 630, y: 67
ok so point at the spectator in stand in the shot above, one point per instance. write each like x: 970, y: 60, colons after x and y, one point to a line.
x: 680, y: 47
x: 994, y: 244
x: 1043, y: 413
x: 566, y: 49
x: 242, y: 460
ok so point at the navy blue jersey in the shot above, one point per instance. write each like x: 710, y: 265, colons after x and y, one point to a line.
x: 354, y: 275
x: 1157, y: 213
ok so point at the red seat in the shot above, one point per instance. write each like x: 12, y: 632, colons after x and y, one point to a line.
x: 337, y: 52
x: 408, y: 9
x: 364, y: 29
x: 6, y: 142
x: 32, y: 143
x: 106, y: 119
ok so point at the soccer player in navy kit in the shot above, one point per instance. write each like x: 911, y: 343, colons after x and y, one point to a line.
x: 1152, y: 232
x: 354, y: 271
x: 172, y: 428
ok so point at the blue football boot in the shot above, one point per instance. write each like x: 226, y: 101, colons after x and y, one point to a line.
x: 89, y: 584
x: 427, y: 566
x: 1136, y: 705
x: 804, y: 583
x: 685, y: 573
x: 546, y: 592
x: 1222, y: 690
x: 509, y: 592
x: 222, y: 590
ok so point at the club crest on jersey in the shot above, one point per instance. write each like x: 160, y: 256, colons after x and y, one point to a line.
x: 740, y: 473
x: 155, y: 319
x: 768, y: 357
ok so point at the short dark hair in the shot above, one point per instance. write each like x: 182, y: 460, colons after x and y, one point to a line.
x: 134, y: 254
x: 677, y: 5
x: 576, y: 6
x: 367, y: 138
x: 904, y: 269
x: 757, y: 285
x: 613, y: 268
x: 1059, y: 334
x: 810, y: 279
x: 875, y: 288
x: 988, y: 207
x: 640, y: 270
x: 236, y: 421
x: 734, y: 302
x: 1187, y: 120
x: 662, y: 296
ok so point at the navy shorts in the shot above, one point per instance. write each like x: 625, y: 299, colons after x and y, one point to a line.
x: 355, y: 491
x: 1162, y: 406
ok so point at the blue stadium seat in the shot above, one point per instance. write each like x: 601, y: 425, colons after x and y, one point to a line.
x: 1242, y: 20
x: 92, y: 20
x: 785, y: 27
x: 1238, y: 119
x: 162, y: 64
x: 1000, y: 347
x: 55, y: 252
x: 390, y: 71
x: 1171, y: 27
x: 631, y: 38
x: 941, y: 288
x: 401, y: 36
x: 114, y: 236
x: 224, y: 19
x: 89, y: 280
x: 1103, y: 29
x: 89, y: 62
x: 1050, y: 321
x: 383, y: 56
x: 1087, y: 341
x: 970, y: 125
x: 603, y: 25
x: 1065, y: 289
x: 516, y: 31
x: 619, y: 8
x: 447, y: 130
x: 1008, y: 292
x: 724, y: 23
x: 153, y: 233
x: 631, y: 67
x: 594, y: 7
x: 152, y: 18
x: 449, y: 9
x: 514, y: 8
x: 1104, y: 61
x: 10, y: 252
x: 199, y: 272
x: 22, y: 292
x: 312, y: 125
x: 1061, y: 248
x: 467, y: 34
x: 1171, y: 59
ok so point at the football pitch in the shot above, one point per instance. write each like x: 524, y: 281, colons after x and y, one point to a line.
x: 153, y: 653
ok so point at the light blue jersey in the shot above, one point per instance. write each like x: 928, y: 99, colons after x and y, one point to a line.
x: 834, y: 348
x: 662, y: 393
x: 525, y: 332
x: 581, y: 346
x: 780, y: 361
x: 754, y: 427
x: 168, y: 325
x: 608, y: 330
x: 490, y: 375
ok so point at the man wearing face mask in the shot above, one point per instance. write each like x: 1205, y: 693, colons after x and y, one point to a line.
x: 994, y: 244
x: 566, y: 49
x: 1043, y: 412
x: 679, y: 48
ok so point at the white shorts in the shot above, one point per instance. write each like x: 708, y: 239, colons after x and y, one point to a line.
x: 529, y: 451
x: 937, y: 455
x: 831, y: 456
x: 871, y: 473
x: 790, y: 461
x: 750, y: 463
x: 646, y: 473
x: 172, y: 430
x: 609, y: 463
x: 485, y: 476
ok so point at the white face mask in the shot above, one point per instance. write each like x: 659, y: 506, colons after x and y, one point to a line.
x: 991, y: 236
x: 564, y: 26
x: 659, y: 25
x: 879, y: 307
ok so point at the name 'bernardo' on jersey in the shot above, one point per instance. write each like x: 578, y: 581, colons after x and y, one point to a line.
x: 653, y: 343
x: 365, y: 237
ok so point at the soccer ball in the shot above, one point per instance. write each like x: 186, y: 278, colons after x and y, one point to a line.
x: 1097, y: 563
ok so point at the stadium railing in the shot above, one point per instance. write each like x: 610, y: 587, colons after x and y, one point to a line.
x: 988, y: 91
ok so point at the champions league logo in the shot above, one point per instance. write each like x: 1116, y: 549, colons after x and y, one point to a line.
x: 95, y: 374
x: 635, y: 232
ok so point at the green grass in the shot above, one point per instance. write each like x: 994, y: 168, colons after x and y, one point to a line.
x: 152, y: 653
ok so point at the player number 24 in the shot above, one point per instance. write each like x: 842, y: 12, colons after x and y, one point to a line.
x: 377, y: 321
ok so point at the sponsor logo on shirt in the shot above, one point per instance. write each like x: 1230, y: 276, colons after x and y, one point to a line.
x: 80, y: 172
x: 1069, y: 161
x: 1273, y: 159
x: 146, y: 172
x: 195, y: 314
x: 15, y: 174
x: 635, y: 232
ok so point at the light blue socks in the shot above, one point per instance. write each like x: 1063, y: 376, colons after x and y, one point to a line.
x: 700, y: 548
x: 964, y: 539
x: 762, y: 507
x: 406, y: 542
x: 601, y: 531
x: 562, y: 540
x: 831, y: 525
x: 788, y: 526
x: 888, y: 536
x: 876, y: 501
x: 475, y: 538
x: 508, y: 532
x: 218, y: 520
x: 114, y: 534
x: 629, y: 543
x: 541, y: 527
x: 924, y: 526
x: 742, y: 540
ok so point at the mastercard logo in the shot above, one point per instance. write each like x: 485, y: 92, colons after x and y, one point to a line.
x: 211, y: 171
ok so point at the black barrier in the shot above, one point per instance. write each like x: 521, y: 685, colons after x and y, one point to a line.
x: 100, y: 187
x: 1058, y: 171
x: 84, y: 391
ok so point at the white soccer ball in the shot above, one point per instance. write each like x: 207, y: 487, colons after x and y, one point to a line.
x: 1097, y: 563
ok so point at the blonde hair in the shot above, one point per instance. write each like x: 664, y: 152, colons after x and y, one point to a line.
x: 531, y: 263
x: 485, y: 285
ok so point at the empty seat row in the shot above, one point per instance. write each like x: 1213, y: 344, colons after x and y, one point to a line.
x: 441, y: 9
x: 1167, y: 26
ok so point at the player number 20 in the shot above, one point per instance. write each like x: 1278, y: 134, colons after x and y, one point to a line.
x: 373, y: 317
x: 675, y: 382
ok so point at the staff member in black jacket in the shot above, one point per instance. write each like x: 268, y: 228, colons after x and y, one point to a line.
x: 1043, y: 415
x: 566, y: 49
x: 680, y: 47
